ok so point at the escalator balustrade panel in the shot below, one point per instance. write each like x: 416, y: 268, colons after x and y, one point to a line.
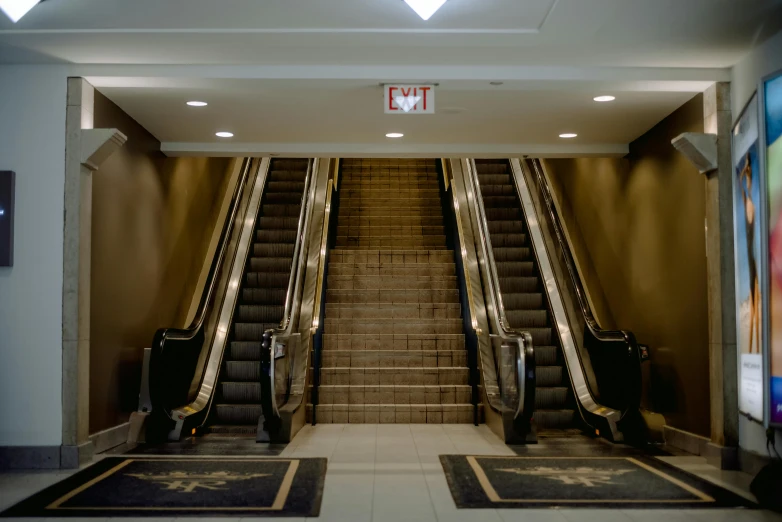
x: 523, y: 294
x: 261, y: 304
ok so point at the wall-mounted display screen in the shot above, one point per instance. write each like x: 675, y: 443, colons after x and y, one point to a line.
x: 6, y: 218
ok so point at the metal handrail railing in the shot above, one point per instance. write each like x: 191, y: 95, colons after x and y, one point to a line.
x: 524, y: 353
x: 295, y: 282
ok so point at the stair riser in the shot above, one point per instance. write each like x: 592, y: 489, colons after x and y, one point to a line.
x: 394, y: 376
x: 394, y: 312
x: 399, y: 414
x: 393, y: 359
x: 391, y: 296
x: 448, y: 394
x: 394, y: 342
x: 392, y: 270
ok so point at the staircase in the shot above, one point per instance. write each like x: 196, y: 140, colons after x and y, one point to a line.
x: 393, y: 342
x: 522, y: 293
x: 262, y: 301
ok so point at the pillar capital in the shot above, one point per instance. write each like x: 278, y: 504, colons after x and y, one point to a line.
x: 98, y: 144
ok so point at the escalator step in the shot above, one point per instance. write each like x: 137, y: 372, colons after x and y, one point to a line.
x: 241, y: 392
x: 291, y: 187
x: 508, y: 202
x: 494, y: 179
x: 274, y: 249
x: 548, y: 376
x: 506, y: 227
x: 485, y: 167
x: 519, y: 285
x: 274, y: 210
x: 508, y: 240
x: 551, y: 398
x: 283, y: 198
x: 265, y: 295
x: 523, y: 301
x: 288, y: 175
x: 278, y: 223
x: 546, y: 355
x: 516, y: 269
x: 497, y: 190
x: 242, y: 371
x: 266, y: 281
x: 527, y: 318
x: 249, y: 351
x: 260, y: 313
x: 554, y: 420
x: 540, y: 336
x: 252, y: 331
x: 271, y: 264
x: 276, y: 236
x: 512, y: 254
x: 246, y: 414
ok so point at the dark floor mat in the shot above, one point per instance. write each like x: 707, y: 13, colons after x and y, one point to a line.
x: 161, y: 487
x: 534, y: 482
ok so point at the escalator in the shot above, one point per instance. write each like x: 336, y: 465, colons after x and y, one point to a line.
x: 209, y: 378
x: 585, y: 378
x: 523, y: 293
x: 262, y: 299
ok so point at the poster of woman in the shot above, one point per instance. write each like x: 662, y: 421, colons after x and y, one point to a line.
x: 773, y: 131
x: 747, y: 229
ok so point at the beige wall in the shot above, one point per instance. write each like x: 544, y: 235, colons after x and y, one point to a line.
x: 152, y: 221
x: 637, y: 228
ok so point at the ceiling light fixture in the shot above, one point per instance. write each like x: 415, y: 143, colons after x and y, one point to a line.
x: 568, y: 135
x: 395, y: 135
x: 223, y: 134
x: 604, y: 99
x: 197, y: 104
x: 425, y: 8
x: 16, y: 9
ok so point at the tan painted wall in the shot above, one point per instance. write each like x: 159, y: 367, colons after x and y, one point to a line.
x: 153, y: 218
x: 637, y: 227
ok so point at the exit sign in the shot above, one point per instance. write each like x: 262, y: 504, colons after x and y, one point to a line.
x: 409, y: 99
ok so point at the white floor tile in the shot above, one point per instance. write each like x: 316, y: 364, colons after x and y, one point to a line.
x: 531, y: 515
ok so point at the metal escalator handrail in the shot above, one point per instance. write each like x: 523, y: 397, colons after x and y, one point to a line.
x: 586, y: 309
x: 163, y: 335
x: 525, y: 352
x: 330, y: 188
x: 298, y: 264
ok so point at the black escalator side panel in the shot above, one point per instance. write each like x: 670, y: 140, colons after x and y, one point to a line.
x: 262, y: 299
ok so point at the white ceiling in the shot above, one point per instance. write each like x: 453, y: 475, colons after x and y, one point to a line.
x: 287, y: 75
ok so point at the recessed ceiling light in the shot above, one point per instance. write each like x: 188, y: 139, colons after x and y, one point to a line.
x: 568, y: 135
x: 496, y: 84
x: 16, y: 9
x: 395, y: 135
x: 425, y: 8
x: 197, y: 103
x: 223, y: 134
x: 605, y: 98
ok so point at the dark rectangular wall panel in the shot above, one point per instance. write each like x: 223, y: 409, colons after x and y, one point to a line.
x: 6, y: 218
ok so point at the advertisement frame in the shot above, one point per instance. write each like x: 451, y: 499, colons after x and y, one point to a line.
x: 763, y: 264
x: 765, y: 230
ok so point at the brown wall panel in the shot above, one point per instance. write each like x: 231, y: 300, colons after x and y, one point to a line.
x: 637, y: 227
x: 152, y: 221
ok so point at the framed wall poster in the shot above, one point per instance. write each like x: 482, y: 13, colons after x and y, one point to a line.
x: 771, y: 115
x: 747, y: 218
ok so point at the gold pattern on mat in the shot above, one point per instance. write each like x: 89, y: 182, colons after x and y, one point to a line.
x: 184, y: 482
x: 587, y: 477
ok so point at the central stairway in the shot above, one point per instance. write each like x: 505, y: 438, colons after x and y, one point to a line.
x: 393, y: 342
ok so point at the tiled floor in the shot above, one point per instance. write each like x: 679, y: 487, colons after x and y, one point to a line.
x: 391, y: 472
